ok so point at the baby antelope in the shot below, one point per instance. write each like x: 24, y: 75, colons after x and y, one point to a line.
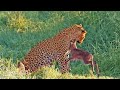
x: 78, y: 54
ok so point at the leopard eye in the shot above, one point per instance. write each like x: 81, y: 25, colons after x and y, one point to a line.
x: 83, y: 31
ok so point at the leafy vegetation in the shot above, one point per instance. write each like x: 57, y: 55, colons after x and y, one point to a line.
x: 21, y: 30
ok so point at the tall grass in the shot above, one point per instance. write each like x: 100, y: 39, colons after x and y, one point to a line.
x: 20, y: 31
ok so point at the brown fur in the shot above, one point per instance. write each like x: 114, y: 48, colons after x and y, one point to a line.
x: 79, y: 54
x: 45, y: 52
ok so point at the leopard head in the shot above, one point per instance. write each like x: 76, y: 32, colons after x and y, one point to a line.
x: 80, y: 33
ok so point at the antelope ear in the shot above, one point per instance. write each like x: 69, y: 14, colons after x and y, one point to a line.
x: 73, y: 41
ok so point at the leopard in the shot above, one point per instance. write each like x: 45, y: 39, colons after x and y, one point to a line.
x: 52, y: 49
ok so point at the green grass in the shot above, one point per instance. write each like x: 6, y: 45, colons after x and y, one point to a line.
x: 20, y: 31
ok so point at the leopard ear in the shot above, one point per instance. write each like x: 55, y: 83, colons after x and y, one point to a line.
x: 80, y: 25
